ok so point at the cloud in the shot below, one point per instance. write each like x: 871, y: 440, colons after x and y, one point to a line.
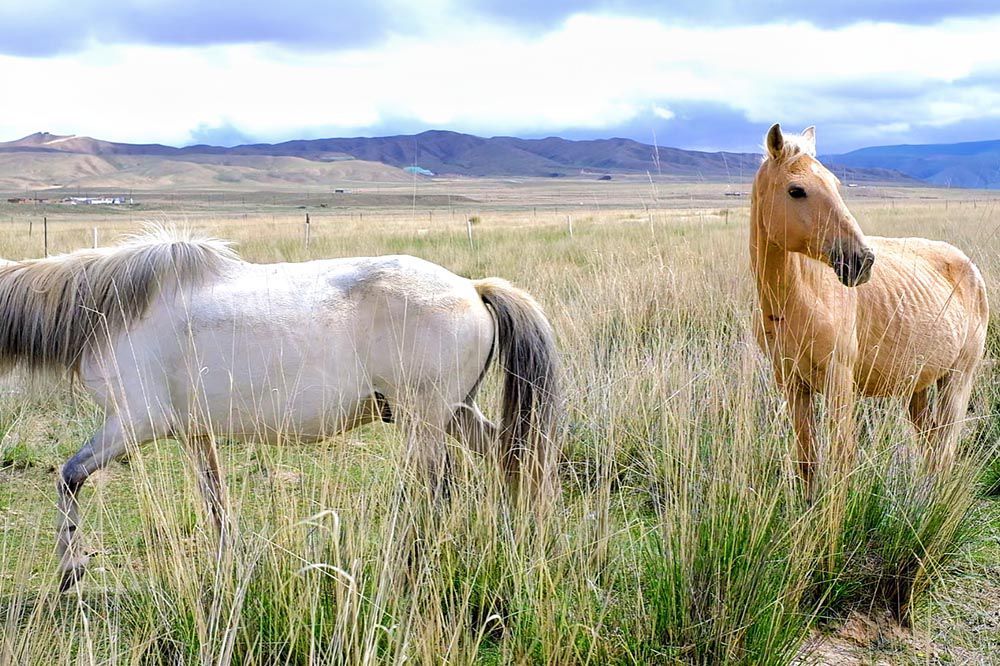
x: 694, y: 125
x: 222, y: 134
x: 594, y: 75
x: 662, y: 112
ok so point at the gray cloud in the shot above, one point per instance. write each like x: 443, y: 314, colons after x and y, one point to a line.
x: 47, y: 27
x: 735, y: 12
x: 695, y: 125
x: 61, y: 26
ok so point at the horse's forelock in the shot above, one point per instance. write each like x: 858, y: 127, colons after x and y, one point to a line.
x: 792, y: 146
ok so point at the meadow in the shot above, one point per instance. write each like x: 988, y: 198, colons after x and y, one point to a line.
x: 680, y: 534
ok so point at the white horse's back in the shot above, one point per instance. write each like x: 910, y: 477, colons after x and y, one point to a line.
x: 296, y: 350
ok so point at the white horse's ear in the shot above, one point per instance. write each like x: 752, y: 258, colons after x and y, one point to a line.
x: 775, y: 140
x: 809, y: 135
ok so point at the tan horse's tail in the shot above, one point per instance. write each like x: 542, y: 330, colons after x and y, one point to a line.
x: 527, y: 354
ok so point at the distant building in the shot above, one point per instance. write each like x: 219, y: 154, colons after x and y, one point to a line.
x: 420, y: 171
x: 99, y: 201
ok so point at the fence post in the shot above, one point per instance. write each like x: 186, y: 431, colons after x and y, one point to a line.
x: 307, y: 229
x: 569, y: 223
x: 45, y: 234
x: 468, y: 225
x: 95, y: 238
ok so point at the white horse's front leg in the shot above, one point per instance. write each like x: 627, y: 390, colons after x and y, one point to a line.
x: 106, y: 444
x: 213, y: 486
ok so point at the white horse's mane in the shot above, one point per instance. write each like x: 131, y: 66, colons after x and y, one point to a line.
x: 53, y: 309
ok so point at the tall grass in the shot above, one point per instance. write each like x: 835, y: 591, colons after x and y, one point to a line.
x: 680, y: 534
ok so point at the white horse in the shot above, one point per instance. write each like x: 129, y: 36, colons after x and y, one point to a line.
x: 177, y: 337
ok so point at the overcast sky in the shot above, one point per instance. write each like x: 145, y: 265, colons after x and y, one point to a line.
x: 708, y: 74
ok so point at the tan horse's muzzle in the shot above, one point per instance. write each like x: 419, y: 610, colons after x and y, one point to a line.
x: 853, y: 266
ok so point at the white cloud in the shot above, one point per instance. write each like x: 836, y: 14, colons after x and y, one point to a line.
x: 591, y: 72
x: 662, y: 112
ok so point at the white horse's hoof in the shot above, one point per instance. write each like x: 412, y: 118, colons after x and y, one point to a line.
x: 72, y: 571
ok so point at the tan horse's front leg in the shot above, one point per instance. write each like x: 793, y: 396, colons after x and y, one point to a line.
x: 921, y: 410
x: 800, y: 404
x: 839, y: 394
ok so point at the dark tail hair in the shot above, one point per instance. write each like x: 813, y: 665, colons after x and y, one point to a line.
x: 527, y: 354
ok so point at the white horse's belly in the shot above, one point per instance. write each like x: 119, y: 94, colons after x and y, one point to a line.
x: 296, y: 384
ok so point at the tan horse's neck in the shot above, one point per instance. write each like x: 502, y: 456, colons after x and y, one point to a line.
x: 783, y: 278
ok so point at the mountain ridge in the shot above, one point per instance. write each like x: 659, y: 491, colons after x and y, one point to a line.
x: 967, y: 164
x: 442, y: 152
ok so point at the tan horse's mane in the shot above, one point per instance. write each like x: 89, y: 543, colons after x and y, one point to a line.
x: 52, y: 310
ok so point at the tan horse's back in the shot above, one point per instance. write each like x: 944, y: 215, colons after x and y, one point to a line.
x: 922, y: 315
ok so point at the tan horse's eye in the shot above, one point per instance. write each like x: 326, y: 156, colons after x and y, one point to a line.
x: 796, y: 192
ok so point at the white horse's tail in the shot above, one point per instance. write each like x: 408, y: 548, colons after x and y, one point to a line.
x: 531, y: 383
x: 53, y: 310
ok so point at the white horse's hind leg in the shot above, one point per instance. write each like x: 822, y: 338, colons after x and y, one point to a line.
x: 424, y: 418
x: 104, y: 446
x: 470, y: 427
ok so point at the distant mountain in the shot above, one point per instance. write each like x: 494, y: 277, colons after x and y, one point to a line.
x: 465, y: 155
x: 71, y: 161
x: 973, y: 164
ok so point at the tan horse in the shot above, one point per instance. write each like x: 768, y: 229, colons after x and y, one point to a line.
x: 845, y: 315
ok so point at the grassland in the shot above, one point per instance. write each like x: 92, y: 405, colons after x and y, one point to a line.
x: 680, y: 536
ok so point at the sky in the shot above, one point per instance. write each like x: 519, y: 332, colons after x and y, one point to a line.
x: 705, y: 74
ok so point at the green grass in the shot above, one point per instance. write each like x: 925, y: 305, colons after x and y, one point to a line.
x: 680, y: 534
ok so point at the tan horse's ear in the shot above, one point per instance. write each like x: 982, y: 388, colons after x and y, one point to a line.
x: 775, y: 140
x: 809, y: 135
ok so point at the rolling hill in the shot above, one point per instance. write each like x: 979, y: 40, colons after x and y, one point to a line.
x: 44, y: 160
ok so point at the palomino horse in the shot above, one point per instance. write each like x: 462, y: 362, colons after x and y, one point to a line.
x: 842, y: 314
x: 177, y: 337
